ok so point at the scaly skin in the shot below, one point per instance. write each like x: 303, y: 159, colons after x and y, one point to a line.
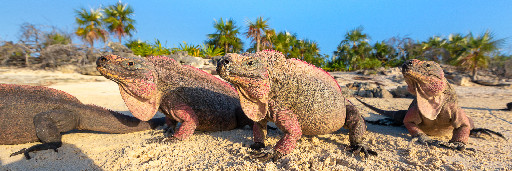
x: 34, y: 113
x: 298, y: 97
x: 435, y: 110
x: 184, y: 94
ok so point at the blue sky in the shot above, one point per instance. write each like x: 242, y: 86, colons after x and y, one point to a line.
x: 323, y: 21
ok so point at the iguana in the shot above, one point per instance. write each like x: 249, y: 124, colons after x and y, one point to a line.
x: 435, y: 110
x: 298, y: 97
x: 35, y: 113
x: 200, y: 101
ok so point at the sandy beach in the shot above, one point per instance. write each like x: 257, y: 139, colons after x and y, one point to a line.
x: 228, y: 150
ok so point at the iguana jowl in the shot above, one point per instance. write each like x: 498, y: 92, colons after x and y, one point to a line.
x: 183, y: 93
x: 435, y: 110
x: 35, y: 113
x: 298, y: 97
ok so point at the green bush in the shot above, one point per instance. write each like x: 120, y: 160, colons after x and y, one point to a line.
x: 370, y: 63
x: 145, y: 49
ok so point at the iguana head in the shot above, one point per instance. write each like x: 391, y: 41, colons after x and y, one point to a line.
x: 425, y: 79
x: 249, y: 73
x: 137, y: 79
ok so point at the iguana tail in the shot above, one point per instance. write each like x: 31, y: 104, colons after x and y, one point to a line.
x: 396, y: 116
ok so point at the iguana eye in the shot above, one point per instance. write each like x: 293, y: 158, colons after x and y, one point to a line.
x: 250, y: 63
x: 428, y: 65
x: 130, y: 63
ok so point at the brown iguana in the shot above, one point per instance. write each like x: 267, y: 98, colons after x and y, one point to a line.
x: 34, y: 113
x: 298, y: 97
x: 435, y: 110
x: 183, y: 93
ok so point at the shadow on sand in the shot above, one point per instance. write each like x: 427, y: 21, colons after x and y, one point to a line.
x: 68, y: 157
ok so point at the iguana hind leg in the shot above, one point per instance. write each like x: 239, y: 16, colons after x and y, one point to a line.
x: 188, y: 120
x: 48, y: 126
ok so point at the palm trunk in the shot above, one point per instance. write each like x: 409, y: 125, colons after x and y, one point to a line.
x: 258, y: 39
x: 474, y: 76
x: 226, y: 48
x: 27, y: 63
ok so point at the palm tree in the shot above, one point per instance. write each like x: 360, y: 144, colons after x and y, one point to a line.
x: 89, y: 26
x: 119, y: 21
x: 456, y: 46
x: 354, y: 48
x: 434, y: 49
x: 383, y: 52
x: 255, y: 31
x: 225, y: 36
x: 284, y: 41
x: 478, y: 51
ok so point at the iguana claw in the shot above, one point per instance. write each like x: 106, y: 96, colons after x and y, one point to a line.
x: 424, y: 139
x: 38, y: 147
x: 362, y: 148
x: 163, y: 140
x: 264, y: 156
x: 457, y: 146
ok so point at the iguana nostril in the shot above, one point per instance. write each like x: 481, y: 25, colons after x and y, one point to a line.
x: 226, y: 61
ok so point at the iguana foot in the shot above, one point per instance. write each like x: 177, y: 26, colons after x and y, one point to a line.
x: 257, y: 146
x: 477, y: 132
x: 265, y: 156
x: 425, y: 140
x: 457, y: 146
x: 38, y: 147
x: 356, y: 149
x: 163, y: 140
x: 385, y: 122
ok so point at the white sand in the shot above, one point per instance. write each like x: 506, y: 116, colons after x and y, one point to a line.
x: 228, y: 150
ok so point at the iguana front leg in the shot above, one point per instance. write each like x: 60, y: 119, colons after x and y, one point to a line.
x: 259, y: 131
x: 357, y: 128
x: 286, y: 120
x: 188, y: 119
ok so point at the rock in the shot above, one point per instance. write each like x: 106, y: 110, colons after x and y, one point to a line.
x: 347, y: 92
x: 120, y: 49
x: 382, y: 93
x: 57, y: 55
x: 461, y: 80
x: 397, y: 78
x: 395, y: 71
x: 89, y: 70
x: 509, y: 106
x: 508, y: 70
x: 369, y: 89
x: 401, y: 92
x: 192, y: 61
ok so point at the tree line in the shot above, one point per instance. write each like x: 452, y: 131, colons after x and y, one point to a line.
x: 354, y: 51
